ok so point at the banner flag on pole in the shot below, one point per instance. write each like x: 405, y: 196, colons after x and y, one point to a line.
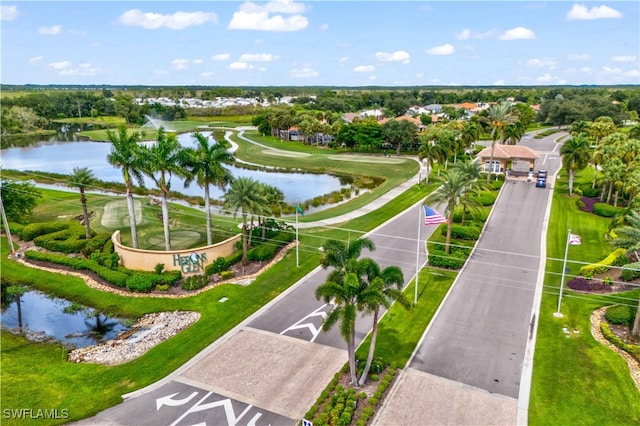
x: 432, y: 217
x: 574, y: 240
x: 299, y: 210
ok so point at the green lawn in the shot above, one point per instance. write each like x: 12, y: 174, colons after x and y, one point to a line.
x: 576, y: 380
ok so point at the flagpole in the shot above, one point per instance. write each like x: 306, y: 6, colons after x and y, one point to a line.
x: 415, y: 297
x: 564, y: 268
x: 297, y: 241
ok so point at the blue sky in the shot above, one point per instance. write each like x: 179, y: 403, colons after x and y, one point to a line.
x: 383, y: 43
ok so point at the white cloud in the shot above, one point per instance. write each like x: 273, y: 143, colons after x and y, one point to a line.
x: 579, y: 57
x: 419, y: 74
x: 343, y: 59
x: 175, y: 21
x: 257, y: 57
x: 467, y: 34
x: 579, y: 12
x: 60, y: 65
x: 239, y: 66
x: 207, y: 74
x: 52, y: 30
x: 624, y: 58
x: 8, y: 13
x: 303, y: 73
x: 324, y: 27
x: 197, y: 61
x: 542, y: 62
x: 372, y: 77
x: 267, y: 17
x: 262, y: 69
x: 499, y: 83
x: 631, y: 73
x: 445, y: 49
x: 36, y: 59
x: 587, y: 70
x: 84, y: 70
x: 221, y: 57
x: 160, y: 72
x: 545, y: 78
x: 180, y: 64
x: 518, y: 33
x: 397, y: 56
x: 364, y: 68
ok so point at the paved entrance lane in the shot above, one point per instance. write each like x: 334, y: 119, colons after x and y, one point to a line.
x: 479, y: 337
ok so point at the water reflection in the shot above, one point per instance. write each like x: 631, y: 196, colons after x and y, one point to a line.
x: 61, y: 157
x: 44, y: 317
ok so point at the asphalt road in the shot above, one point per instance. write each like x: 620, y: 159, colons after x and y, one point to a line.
x: 479, y: 337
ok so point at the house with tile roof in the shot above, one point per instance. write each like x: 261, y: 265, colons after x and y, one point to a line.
x: 515, y: 158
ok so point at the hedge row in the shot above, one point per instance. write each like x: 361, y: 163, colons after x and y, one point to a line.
x: 618, y: 257
x: 33, y: 230
x: 440, y: 259
x: 268, y: 249
x: 485, y: 198
x: 462, y: 232
x: 606, y: 210
x: 633, y: 350
x: 630, y: 271
x: 620, y: 314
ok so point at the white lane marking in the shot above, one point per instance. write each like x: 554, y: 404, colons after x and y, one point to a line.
x: 312, y: 327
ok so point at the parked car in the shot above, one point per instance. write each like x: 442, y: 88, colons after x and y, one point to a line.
x: 541, y: 183
x: 542, y: 174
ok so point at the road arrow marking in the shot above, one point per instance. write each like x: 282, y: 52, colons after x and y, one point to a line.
x: 312, y: 327
x: 168, y: 400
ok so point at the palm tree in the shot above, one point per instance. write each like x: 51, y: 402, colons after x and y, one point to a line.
x: 471, y: 132
x: 575, y: 156
x: 344, y: 294
x: 628, y: 236
x: 337, y: 254
x: 205, y: 165
x: 162, y: 160
x: 124, y: 155
x: 471, y: 173
x: 500, y: 115
x: 513, y: 132
x: 385, y: 286
x: 449, y: 193
x: 245, y: 194
x: 81, y: 178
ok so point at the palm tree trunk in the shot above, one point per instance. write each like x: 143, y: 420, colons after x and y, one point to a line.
x: 372, y: 349
x: 165, y: 221
x: 448, y: 240
x: 595, y: 175
x: 570, y: 183
x: 85, y: 214
x: 132, y: 217
x: 635, y: 332
x: 351, y: 348
x: 615, y: 198
x: 245, y: 245
x: 609, y: 193
x: 493, y: 147
x: 207, y: 208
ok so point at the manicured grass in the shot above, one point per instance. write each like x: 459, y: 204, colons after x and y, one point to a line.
x: 576, y: 380
x: 400, y: 330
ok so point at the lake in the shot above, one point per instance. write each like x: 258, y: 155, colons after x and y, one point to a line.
x: 57, y: 156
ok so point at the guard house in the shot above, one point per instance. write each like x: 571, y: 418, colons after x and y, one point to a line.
x: 518, y: 159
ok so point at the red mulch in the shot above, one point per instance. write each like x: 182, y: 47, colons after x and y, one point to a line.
x: 588, y: 204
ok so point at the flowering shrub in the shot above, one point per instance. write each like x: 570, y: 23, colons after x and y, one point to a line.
x: 582, y: 284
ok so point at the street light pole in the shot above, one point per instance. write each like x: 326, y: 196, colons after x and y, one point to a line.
x: 564, y: 268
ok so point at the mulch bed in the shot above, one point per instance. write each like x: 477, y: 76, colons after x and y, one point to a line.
x: 588, y: 204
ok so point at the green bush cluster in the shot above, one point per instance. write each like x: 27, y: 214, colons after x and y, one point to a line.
x: 485, y: 198
x: 139, y: 283
x: 589, y: 192
x: 633, y: 350
x: 33, y: 230
x: 620, y: 314
x: 618, y: 257
x: 630, y: 271
x: 195, y: 282
x: 217, y: 266
x: 225, y: 275
x: 462, y: 232
x: 439, y: 259
x: 268, y: 249
x: 606, y: 210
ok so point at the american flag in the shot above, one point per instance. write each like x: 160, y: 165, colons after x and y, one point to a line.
x: 574, y: 239
x: 432, y: 217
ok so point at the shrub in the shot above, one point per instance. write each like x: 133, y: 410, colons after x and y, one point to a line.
x: 162, y: 287
x: 633, y: 350
x: 218, y: 265
x: 33, y: 230
x: 374, y: 377
x: 140, y: 283
x: 582, y: 284
x: 225, y: 275
x: 618, y: 257
x: 462, y: 232
x: 577, y: 191
x: 195, y: 282
x: 606, y: 210
x: 620, y: 314
x: 234, y: 258
x: 262, y: 252
x: 440, y: 259
x: 158, y: 268
x: 580, y: 204
x: 590, y: 192
x: 485, y: 198
x: 630, y: 272
x: 607, y: 281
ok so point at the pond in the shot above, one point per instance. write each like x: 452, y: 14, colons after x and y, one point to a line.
x: 44, y: 318
x: 56, y: 156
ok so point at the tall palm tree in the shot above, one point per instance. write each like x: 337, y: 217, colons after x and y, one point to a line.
x: 245, y: 195
x: 449, y: 193
x: 471, y: 132
x: 471, y: 173
x: 426, y: 152
x: 124, y: 155
x: 343, y: 291
x: 628, y: 236
x: 162, y: 160
x: 205, y: 164
x: 575, y: 156
x: 513, y: 132
x: 385, y: 286
x: 500, y: 115
x: 81, y: 178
